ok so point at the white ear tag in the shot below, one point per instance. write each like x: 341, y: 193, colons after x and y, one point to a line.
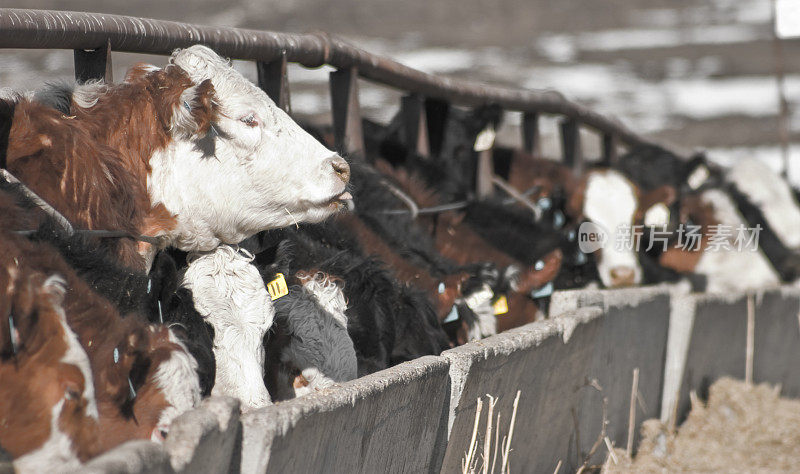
x: 698, y: 177
x: 478, y: 298
x: 657, y: 215
x: 485, y: 139
x: 452, y: 315
x: 546, y: 290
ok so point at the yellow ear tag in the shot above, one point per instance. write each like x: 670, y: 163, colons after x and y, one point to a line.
x: 500, y: 305
x: 277, y: 287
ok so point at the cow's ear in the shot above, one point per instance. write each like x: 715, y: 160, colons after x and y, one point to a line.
x: 196, y: 111
x: 204, y: 107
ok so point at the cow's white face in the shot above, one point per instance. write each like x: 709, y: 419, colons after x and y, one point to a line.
x: 610, y: 201
x: 262, y: 171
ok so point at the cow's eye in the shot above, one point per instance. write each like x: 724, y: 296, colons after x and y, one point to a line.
x: 71, y: 392
x: 249, y: 120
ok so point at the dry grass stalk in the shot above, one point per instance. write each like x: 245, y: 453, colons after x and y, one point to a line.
x: 673, y: 417
x: 558, y: 467
x: 600, y: 438
x: 487, y: 443
x: 496, y: 441
x: 610, y: 447
x: 507, y: 448
x: 632, y: 412
x: 467, y: 465
x: 695, y: 400
x: 751, y: 323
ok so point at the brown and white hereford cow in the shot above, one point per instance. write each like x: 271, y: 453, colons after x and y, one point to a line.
x: 193, y: 153
x: 143, y: 376
x: 48, y: 412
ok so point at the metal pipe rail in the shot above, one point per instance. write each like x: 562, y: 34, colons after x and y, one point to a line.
x: 41, y: 29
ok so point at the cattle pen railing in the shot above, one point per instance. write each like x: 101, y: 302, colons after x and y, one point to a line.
x: 94, y: 36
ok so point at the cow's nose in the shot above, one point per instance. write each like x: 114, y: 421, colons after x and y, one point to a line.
x: 340, y: 167
x: 622, y: 276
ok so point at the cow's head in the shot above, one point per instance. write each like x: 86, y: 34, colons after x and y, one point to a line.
x: 47, y: 401
x: 253, y: 168
x: 609, y: 200
x: 312, y: 349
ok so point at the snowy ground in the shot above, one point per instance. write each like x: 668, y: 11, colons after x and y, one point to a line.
x: 696, y: 74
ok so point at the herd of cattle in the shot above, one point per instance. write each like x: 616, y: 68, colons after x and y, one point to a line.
x: 259, y: 264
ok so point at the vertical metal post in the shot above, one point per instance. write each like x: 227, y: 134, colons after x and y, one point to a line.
x: 415, y: 126
x: 484, y: 169
x: 94, y: 64
x: 483, y: 174
x: 571, y: 145
x: 436, y: 115
x: 273, y: 79
x: 609, y: 157
x: 347, y: 133
x: 531, y: 141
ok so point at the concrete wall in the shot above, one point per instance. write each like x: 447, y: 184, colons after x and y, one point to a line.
x: 633, y: 335
x: 419, y: 416
x: 389, y: 421
x: 777, y: 340
x: 549, y: 363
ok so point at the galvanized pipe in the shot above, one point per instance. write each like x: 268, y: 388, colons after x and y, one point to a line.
x: 43, y: 29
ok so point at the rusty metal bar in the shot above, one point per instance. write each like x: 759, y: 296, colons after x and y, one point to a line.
x: 571, y: 145
x: 609, y: 157
x: 530, y: 134
x: 273, y: 79
x: 94, y: 64
x: 415, y: 125
x: 40, y: 29
x: 347, y: 133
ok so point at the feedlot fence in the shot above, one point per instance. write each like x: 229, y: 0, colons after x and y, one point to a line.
x: 94, y: 36
x: 605, y: 361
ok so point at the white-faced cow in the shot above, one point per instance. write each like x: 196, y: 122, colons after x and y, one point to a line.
x: 192, y: 153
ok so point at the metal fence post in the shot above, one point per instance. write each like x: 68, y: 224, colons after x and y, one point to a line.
x: 436, y: 114
x: 273, y: 79
x: 571, y: 145
x: 415, y: 125
x: 93, y: 64
x: 531, y: 140
x: 609, y: 149
x: 347, y: 132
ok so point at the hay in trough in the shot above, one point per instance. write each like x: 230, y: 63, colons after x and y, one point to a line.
x: 742, y: 428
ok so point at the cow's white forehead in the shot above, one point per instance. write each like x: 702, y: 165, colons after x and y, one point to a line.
x: 232, y: 89
x: 202, y: 63
x: 610, y: 199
